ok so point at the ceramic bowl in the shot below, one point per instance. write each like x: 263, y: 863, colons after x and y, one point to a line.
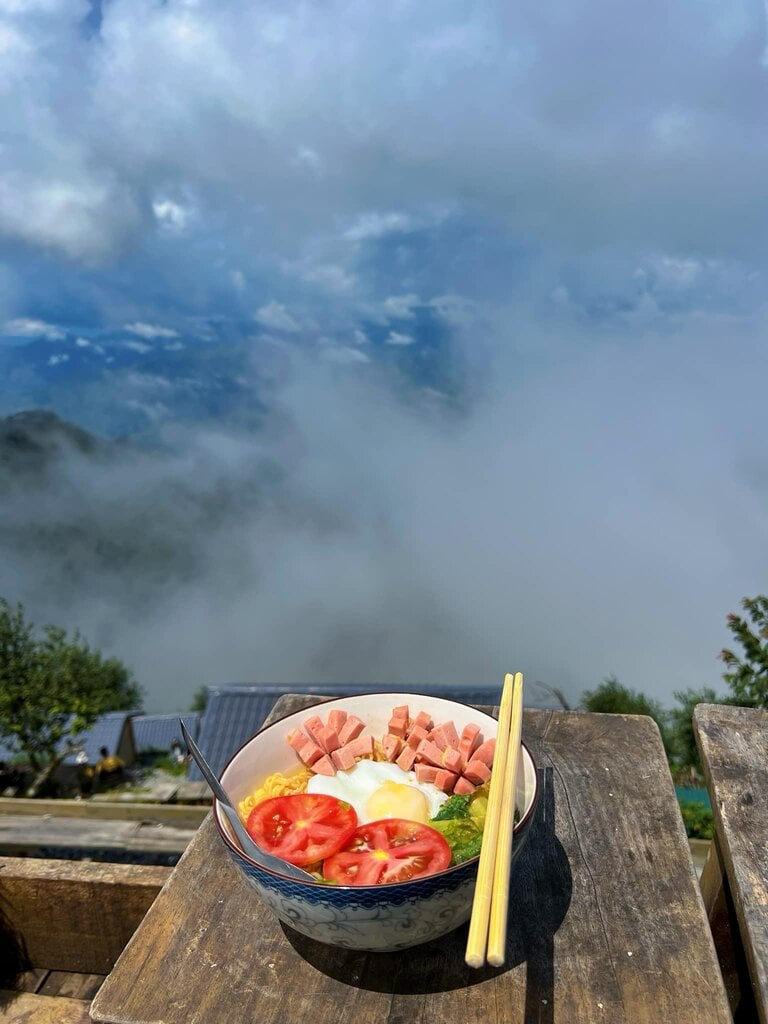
x: 378, y: 918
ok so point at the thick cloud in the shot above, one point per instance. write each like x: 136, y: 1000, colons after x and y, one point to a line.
x: 587, y: 126
x: 600, y: 516
x: 491, y: 279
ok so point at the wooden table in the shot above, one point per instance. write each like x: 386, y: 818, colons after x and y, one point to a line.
x: 607, y: 922
x: 733, y: 743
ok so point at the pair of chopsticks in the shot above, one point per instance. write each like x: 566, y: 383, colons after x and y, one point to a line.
x: 488, y: 924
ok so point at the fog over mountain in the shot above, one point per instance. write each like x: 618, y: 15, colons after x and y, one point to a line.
x: 421, y: 340
x: 362, y: 534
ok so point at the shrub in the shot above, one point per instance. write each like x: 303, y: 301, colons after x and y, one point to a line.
x: 698, y: 819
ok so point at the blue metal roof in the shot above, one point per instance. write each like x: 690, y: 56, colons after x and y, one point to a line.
x: 157, y: 732
x: 236, y: 711
x: 106, y: 731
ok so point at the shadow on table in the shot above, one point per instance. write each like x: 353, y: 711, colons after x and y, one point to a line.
x: 540, y: 894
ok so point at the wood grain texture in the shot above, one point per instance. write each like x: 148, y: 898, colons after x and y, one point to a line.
x: 76, y: 915
x: 22, y: 833
x: 28, y: 1008
x: 60, y: 983
x: 733, y: 743
x: 606, y: 919
x: 71, y: 984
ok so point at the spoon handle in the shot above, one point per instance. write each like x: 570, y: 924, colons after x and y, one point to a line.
x: 255, y: 852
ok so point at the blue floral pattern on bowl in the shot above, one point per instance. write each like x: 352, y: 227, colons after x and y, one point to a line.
x: 376, y: 918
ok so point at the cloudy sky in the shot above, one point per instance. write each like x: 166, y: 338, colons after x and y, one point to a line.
x: 483, y: 283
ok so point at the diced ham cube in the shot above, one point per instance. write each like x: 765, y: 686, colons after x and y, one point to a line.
x: 423, y: 721
x: 313, y: 726
x: 343, y: 758
x: 445, y: 780
x: 477, y: 771
x: 452, y: 760
x: 436, y: 737
x: 406, y: 758
x: 398, y: 727
x: 447, y: 732
x: 416, y: 735
x: 429, y: 752
x: 336, y: 719
x: 329, y: 739
x: 426, y: 772
x: 310, y: 753
x: 324, y: 766
x: 485, y: 752
x: 464, y: 787
x: 346, y: 756
x: 297, y: 739
x: 471, y: 738
x: 351, y: 729
x: 362, y: 746
x: 392, y: 745
x: 438, y: 776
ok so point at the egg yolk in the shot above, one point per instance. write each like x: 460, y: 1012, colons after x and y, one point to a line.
x: 396, y: 800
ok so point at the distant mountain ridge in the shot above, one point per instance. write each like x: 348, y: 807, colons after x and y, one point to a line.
x: 82, y: 514
x: 31, y: 440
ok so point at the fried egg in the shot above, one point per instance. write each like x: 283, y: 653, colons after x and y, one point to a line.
x: 378, y: 789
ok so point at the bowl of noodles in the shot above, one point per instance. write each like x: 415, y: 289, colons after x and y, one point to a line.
x: 406, y: 834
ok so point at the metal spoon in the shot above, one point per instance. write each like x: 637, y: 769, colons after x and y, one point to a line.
x: 262, y: 858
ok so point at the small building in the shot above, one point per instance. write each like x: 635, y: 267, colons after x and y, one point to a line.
x: 155, y: 733
x: 113, y: 730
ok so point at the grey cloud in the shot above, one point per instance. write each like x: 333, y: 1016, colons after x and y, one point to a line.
x: 614, y: 124
x: 582, y: 507
x: 363, y: 535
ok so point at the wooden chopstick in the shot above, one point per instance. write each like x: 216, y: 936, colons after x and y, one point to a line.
x: 477, y: 940
x: 497, y: 930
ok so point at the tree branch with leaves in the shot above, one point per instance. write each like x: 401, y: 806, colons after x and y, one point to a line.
x: 747, y: 676
x: 52, y: 689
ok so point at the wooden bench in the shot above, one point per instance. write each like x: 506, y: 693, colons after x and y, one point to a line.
x: 73, y: 919
x: 733, y: 743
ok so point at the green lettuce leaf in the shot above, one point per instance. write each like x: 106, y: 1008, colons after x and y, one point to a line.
x: 463, y: 837
x: 455, y: 806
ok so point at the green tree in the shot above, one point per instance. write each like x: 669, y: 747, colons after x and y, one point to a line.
x: 684, y: 751
x: 52, y: 689
x: 613, y: 697
x: 747, y: 676
x: 199, y: 699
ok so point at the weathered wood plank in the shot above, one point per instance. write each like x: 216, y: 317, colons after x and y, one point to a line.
x: 733, y: 743
x: 20, y: 833
x: 71, y: 984
x: 607, y: 922
x: 28, y: 1008
x: 76, y: 915
x: 177, y: 815
x: 32, y: 980
x: 723, y: 923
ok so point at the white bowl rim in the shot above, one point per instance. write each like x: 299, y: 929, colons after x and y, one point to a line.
x: 524, y: 818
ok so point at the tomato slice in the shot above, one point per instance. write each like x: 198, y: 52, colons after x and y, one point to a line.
x: 390, y: 850
x: 302, y: 828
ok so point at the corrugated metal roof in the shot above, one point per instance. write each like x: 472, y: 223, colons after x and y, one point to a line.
x: 236, y: 711
x: 157, y: 732
x: 106, y: 731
